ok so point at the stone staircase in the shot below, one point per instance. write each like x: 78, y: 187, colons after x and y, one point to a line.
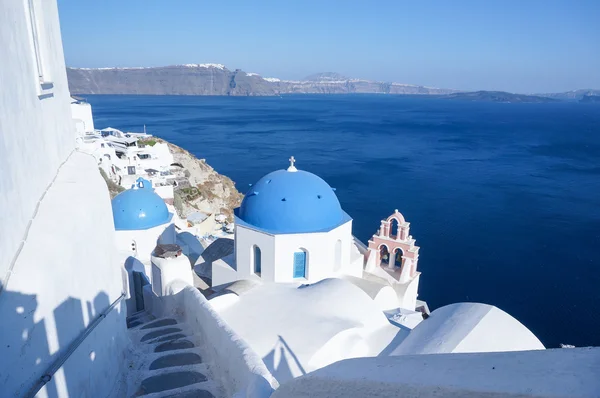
x: 166, y: 360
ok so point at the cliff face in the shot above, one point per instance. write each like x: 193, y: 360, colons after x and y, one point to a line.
x: 208, y: 192
x: 216, y: 79
x: 572, y: 95
x: 169, y: 80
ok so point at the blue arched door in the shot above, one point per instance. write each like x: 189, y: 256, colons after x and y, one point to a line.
x: 300, y: 264
x: 257, y: 260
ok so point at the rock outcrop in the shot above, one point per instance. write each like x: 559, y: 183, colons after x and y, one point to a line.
x: 208, y: 191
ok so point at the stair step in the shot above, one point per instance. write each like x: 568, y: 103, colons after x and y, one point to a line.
x: 173, y: 362
x: 136, y: 322
x: 180, y: 359
x: 139, y: 313
x: 160, y: 323
x: 172, y: 337
x: 191, y: 394
x: 139, y: 318
x: 174, y: 345
x: 169, y: 381
x: 159, y: 333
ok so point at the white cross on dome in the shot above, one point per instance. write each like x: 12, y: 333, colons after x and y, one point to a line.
x: 292, y: 167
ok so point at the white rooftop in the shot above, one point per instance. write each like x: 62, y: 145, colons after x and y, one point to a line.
x: 468, y: 327
x: 299, y: 329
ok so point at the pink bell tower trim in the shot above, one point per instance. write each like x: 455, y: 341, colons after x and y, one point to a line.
x: 395, y: 248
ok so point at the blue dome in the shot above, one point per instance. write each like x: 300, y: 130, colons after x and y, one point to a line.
x: 139, y: 208
x: 292, y: 202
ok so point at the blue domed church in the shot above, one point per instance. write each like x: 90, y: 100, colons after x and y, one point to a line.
x: 140, y: 216
x: 139, y: 208
x: 290, y: 228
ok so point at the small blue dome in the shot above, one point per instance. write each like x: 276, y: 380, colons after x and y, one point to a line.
x: 291, y: 202
x: 139, y: 208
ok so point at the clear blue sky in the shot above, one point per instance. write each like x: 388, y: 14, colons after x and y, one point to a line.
x: 513, y: 45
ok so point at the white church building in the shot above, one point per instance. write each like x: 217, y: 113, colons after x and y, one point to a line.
x: 291, y: 228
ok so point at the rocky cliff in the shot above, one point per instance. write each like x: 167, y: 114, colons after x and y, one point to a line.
x: 216, y: 79
x: 208, y: 191
x: 203, y: 79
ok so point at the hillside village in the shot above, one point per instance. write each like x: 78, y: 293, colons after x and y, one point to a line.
x: 200, y: 195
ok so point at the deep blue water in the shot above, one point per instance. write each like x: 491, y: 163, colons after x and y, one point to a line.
x: 503, y: 199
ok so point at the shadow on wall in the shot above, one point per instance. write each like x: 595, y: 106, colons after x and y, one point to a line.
x: 194, y: 248
x: 29, y: 348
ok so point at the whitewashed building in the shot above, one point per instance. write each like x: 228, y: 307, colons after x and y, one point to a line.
x: 291, y: 228
x: 82, y: 116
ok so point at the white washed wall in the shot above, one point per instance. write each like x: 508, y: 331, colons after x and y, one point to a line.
x: 277, y: 254
x: 245, y: 239
x: 240, y: 370
x: 320, y: 248
x: 36, y: 135
x: 82, y: 117
x: 66, y: 273
x: 559, y: 372
x: 145, y: 243
x: 65, y: 276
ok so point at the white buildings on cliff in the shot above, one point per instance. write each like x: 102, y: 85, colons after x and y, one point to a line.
x: 92, y: 307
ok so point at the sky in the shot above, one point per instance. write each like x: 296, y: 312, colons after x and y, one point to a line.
x: 524, y: 46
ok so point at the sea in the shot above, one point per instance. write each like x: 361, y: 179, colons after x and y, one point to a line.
x: 503, y: 199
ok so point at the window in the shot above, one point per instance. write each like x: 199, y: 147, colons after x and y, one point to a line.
x: 36, y: 28
x: 300, y: 264
x: 257, y: 260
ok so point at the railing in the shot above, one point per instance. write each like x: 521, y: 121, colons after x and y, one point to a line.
x: 58, y: 363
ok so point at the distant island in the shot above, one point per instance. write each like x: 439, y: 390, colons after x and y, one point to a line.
x: 573, y: 95
x: 498, y: 96
x: 217, y: 79
x: 590, y: 98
